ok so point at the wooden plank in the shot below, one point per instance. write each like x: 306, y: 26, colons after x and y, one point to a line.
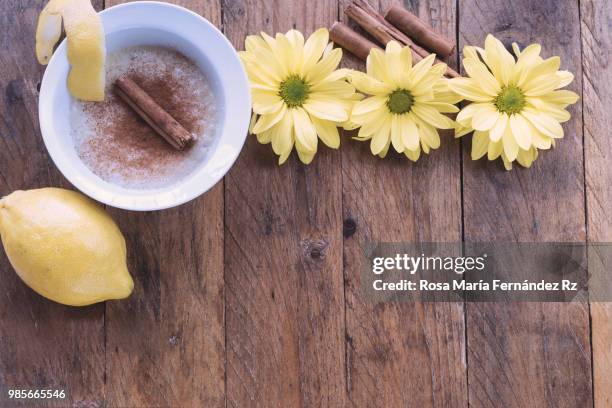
x: 403, y: 354
x: 528, y: 354
x: 165, y: 344
x: 43, y: 345
x: 597, y: 81
x: 283, y: 262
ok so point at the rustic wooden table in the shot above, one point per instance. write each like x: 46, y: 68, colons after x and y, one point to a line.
x: 249, y: 296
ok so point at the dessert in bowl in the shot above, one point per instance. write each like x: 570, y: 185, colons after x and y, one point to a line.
x: 186, y: 65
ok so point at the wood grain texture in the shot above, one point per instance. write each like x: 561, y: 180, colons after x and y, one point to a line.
x: 165, y: 345
x: 283, y: 265
x: 528, y: 354
x: 597, y: 99
x: 283, y: 252
x: 403, y: 354
x: 42, y: 344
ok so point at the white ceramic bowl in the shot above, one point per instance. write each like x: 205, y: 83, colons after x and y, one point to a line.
x: 153, y: 23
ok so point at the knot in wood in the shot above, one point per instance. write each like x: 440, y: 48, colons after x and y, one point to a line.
x: 349, y: 227
x: 314, y: 249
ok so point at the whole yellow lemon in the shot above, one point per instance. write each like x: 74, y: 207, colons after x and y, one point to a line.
x: 64, y: 246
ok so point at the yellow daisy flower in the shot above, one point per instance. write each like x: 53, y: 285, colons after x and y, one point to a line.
x: 406, y: 103
x: 517, y: 107
x: 298, y: 95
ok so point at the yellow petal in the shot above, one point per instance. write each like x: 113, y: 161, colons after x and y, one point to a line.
x: 420, y: 69
x: 479, y: 72
x: 529, y: 55
x: 497, y: 131
x: 304, y: 153
x: 282, y: 137
x: 545, y: 68
x: 264, y: 87
x: 424, y: 147
x: 396, y: 133
x: 541, y: 86
x: 499, y: 60
x: 406, y: 64
x: 336, y: 89
x: 409, y: 132
x: 480, y: 144
x: 381, y: 138
x: 544, y: 123
x: 373, y: 122
x: 252, y: 42
x: 495, y: 150
x: 393, y: 62
x: 433, y: 117
x: 368, y: 105
x: 507, y: 163
x: 521, y: 131
x: 511, y: 148
x: 265, y: 122
x: 470, y: 52
x: 313, y: 49
x: 562, y: 97
x: 469, y: 89
x: 384, y: 151
x: 305, y: 132
x: 556, y: 111
x: 393, y: 47
x: 406, y: 58
x: 370, y: 85
x: 429, y: 83
x: 516, y: 49
x: 428, y: 134
x: 265, y: 102
x: 526, y: 157
x: 252, y: 121
x: 413, y: 154
x: 262, y: 76
x: 485, y: 118
x: 539, y: 140
x: 328, y: 132
x: 461, y: 130
x: 448, y: 97
x: 565, y: 77
x: 443, y: 107
x: 375, y: 65
x: 296, y: 39
x: 326, y: 109
x: 526, y: 60
x: 283, y: 53
x: 466, y: 114
x: 264, y: 137
x: 324, y: 67
x: 305, y: 157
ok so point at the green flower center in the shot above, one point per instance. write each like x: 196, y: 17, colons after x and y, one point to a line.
x: 510, y: 100
x: 294, y: 91
x: 400, y: 101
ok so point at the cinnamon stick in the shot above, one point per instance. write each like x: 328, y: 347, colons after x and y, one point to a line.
x: 155, y: 116
x: 418, y: 30
x: 362, y: 12
x: 372, y: 22
x: 347, y: 38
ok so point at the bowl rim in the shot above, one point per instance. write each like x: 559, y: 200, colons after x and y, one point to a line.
x: 149, y: 200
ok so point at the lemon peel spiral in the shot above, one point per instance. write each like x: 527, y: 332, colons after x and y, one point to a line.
x: 86, y: 47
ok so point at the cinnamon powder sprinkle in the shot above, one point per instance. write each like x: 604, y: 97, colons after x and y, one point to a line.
x: 120, y: 147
